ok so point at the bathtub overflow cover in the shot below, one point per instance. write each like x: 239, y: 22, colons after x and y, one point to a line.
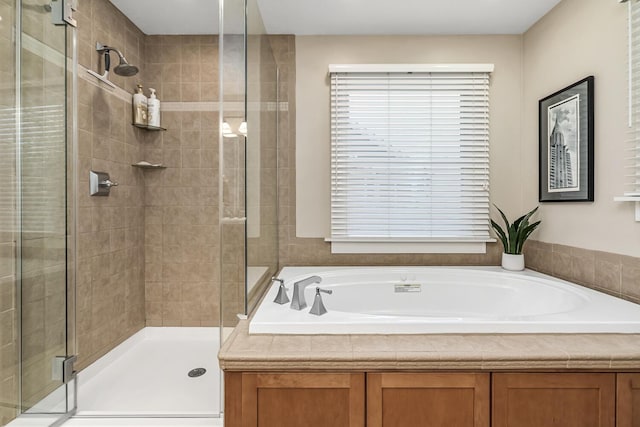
x: 197, y: 372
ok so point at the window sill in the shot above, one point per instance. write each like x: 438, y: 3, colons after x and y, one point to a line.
x: 433, y: 247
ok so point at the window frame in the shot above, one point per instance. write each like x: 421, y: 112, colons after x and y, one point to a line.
x: 391, y: 244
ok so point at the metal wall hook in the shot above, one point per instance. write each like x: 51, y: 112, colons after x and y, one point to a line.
x: 318, y: 308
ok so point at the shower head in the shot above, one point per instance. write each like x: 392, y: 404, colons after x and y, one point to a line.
x: 123, y: 68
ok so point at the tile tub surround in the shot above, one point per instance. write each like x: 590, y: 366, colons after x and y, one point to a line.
x: 617, y: 275
x: 603, y: 352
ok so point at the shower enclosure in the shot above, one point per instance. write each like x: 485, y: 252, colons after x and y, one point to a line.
x: 36, y: 215
x: 187, y: 248
x: 248, y: 161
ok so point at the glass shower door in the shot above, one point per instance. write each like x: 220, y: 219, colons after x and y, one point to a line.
x: 43, y: 229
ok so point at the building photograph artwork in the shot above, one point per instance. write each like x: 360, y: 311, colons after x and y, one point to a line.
x: 565, y: 126
x: 563, y: 155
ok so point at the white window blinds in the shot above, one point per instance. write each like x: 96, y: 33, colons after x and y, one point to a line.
x: 409, y: 154
x: 633, y: 166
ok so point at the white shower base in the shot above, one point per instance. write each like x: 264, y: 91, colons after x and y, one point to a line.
x: 146, y: 375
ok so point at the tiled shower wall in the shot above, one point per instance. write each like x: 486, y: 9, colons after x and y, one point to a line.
x: 110, y: 280
x: 181, y: 201
x: 148, y: 253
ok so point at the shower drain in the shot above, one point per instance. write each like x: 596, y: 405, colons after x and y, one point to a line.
x: 197, y: 372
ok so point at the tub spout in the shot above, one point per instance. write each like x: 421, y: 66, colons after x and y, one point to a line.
x: 297, y: 301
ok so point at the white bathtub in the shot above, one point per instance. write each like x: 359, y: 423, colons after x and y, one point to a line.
x: 374, y: 300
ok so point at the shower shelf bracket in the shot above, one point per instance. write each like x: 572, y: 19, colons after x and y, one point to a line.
x: 635, y: 199
x: 147, y: 165
x: 149, y: 127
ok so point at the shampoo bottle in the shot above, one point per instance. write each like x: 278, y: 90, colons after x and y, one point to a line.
x: 153, y: 105
x: 139, y: 108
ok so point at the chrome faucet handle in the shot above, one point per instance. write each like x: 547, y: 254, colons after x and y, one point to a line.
x: 108, y: 183
x: 282, y: 297
x: 318, y: 306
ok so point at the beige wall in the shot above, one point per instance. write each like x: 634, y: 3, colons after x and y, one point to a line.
x: 297, y: 250
x: 576, y: 39
x: 314, y: 54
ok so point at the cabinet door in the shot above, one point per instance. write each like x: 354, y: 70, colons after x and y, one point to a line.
x: 628, y: 402
x: 429, y: 399
x: 296, y: 399
x: 554, y: 400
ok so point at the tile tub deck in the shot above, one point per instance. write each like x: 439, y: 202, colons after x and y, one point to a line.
x: 484, y: 352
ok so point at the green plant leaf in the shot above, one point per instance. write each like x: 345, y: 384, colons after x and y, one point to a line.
x: 526, y: 232
x: 500, y: 232
x: 516, y: 234
x: 504, y: 217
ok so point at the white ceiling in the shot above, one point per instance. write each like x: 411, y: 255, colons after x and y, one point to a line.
x: 165, y: 17
x: 387, y: 17
x: 364, y: 17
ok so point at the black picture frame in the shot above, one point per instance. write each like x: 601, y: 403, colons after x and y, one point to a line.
x: 565, y: 125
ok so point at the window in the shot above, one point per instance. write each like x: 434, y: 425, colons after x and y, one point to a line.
x: 631, y: 191
x: 409, y: 158
x: 633, y: 182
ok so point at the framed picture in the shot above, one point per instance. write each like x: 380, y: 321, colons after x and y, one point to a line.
x: 566, y: 144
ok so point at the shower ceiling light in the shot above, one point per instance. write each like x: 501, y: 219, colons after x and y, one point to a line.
x: 226, y: 130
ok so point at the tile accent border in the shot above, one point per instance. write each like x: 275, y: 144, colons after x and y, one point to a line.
x: 614, y: 274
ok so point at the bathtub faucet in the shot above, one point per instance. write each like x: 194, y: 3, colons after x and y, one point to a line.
x: 298, y: 302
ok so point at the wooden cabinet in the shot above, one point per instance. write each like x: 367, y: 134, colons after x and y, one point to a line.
x: 628, y: 400
x: 554, y: 400
x: 294, y: 399
x: 433, y: 399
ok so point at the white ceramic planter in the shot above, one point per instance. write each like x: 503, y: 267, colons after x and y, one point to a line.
x: 513, y: 262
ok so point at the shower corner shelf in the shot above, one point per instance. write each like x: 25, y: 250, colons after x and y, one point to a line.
x: 148, y: 166
x: 149, y: 127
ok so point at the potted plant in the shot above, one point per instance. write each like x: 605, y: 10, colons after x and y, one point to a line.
x: 513, y: 238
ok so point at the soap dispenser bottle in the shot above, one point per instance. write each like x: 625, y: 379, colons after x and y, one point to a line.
x: 153, y: 106
x: 139, y: 108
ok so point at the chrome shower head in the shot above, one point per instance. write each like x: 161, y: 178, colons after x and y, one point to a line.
x: 123, y: 68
